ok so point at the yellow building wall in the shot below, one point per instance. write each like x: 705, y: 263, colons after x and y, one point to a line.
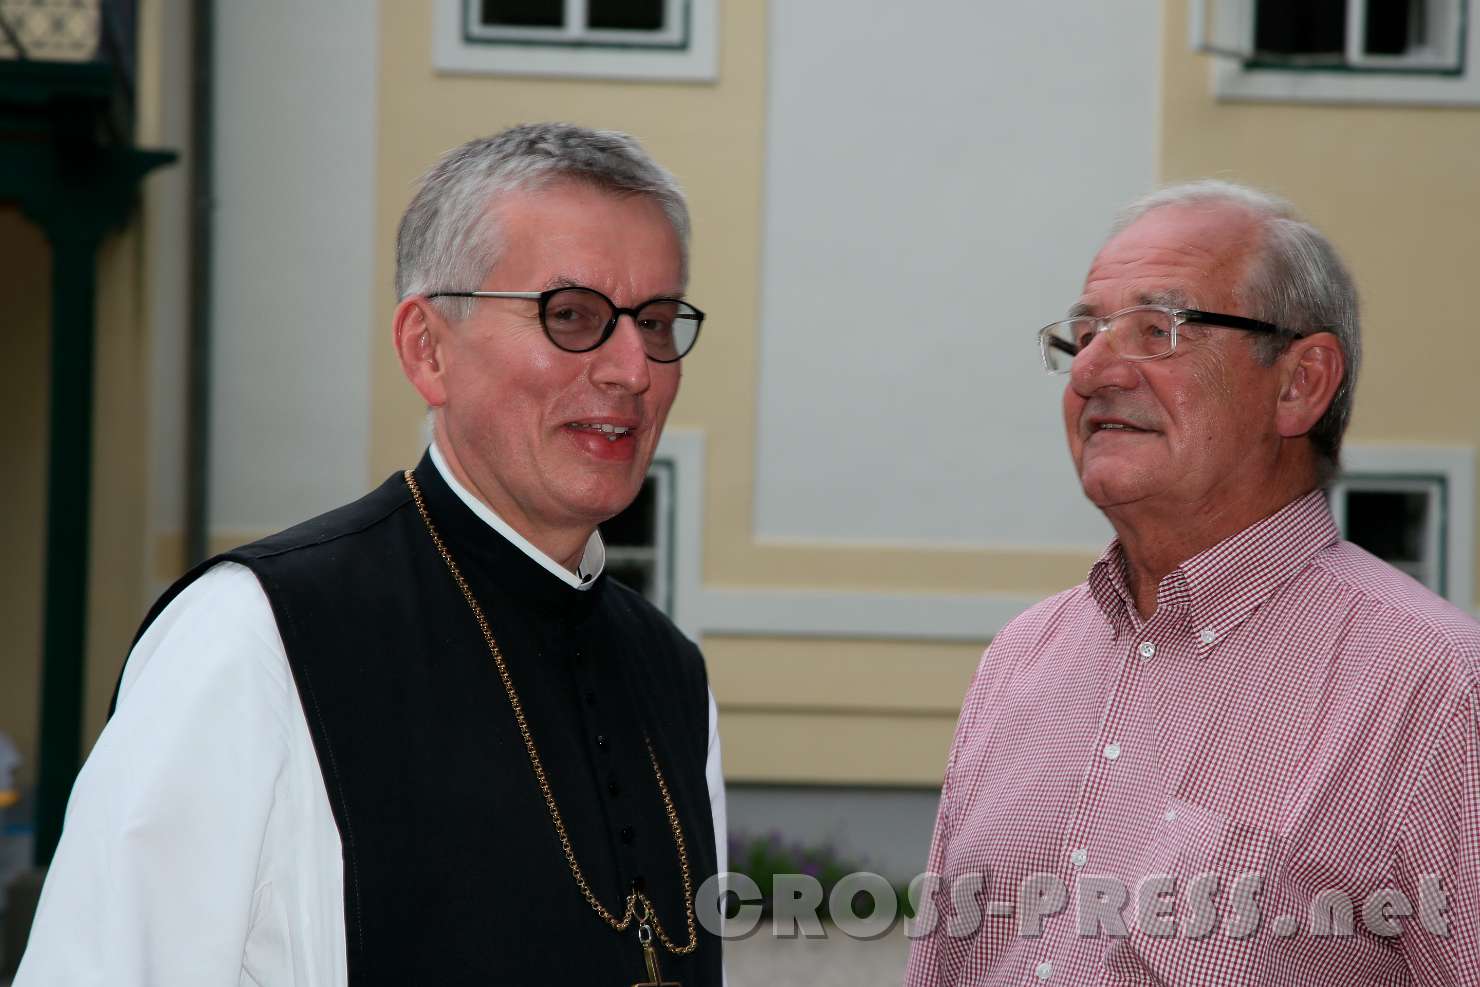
x: 1392, y: 185
x: 819, y: 710
x: 785, y: 712
x: 1395, y: 187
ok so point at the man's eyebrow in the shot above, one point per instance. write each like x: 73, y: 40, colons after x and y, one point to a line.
x: 565, y: 281
x: 1080, y: 309
x: 1171, y: 298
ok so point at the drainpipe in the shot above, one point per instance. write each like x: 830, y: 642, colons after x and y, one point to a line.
x: 202, y: 224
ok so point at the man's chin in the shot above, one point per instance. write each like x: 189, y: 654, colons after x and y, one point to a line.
x: 1118, y: 489
x: 600, y: 506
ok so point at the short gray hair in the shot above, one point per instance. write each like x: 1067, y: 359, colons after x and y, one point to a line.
x: 1297, y: 281
x: 449, y: 241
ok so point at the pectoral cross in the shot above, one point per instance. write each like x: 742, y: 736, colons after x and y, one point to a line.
x: 650, y: 956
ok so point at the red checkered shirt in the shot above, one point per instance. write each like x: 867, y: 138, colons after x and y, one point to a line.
x: 1294, y: 729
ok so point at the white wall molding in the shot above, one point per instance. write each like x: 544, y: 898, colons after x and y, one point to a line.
x: 700, y: 609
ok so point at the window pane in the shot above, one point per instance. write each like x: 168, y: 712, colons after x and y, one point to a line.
x: 1389, y: 524
x: 635, y: 525
x: 1300, y: 27
x: 625, y: 15
x: 523, y: 13
x: 1393, y: 26
x: 635, y: 575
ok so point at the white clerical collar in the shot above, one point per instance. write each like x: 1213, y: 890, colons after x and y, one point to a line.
x: 593, y: 560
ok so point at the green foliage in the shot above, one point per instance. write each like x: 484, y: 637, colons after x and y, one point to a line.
x: 761, y: 858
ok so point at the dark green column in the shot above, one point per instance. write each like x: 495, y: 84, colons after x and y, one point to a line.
x: 77, y: 194
x: 68, y: 516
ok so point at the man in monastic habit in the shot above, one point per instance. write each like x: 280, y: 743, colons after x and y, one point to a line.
x: 1243, y: 751
x: 422, y: 739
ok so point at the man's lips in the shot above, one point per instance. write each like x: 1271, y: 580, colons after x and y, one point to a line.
x: 612, y: 428
x: 1097, y: 424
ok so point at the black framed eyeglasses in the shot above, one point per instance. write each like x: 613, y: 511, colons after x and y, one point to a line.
x: 578, y: 319
x: 1141, y: 332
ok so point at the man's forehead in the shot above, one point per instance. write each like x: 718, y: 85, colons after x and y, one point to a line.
x: 1174, y: 255
x: 568, y: 234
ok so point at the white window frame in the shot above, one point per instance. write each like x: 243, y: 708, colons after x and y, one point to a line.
x: 1446, y: 475
x: 685, y: 51
x: 1430, y: 76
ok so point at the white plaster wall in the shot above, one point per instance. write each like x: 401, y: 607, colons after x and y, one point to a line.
x: 938, y: 179
x: 293, y: 264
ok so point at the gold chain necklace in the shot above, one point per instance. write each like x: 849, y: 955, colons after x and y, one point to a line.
x: 639, y: 905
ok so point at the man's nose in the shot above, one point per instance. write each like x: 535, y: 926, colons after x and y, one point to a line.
x: 622, y: 362
x: 1098, y: 365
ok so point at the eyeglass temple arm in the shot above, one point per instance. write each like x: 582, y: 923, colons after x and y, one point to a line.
x: 1063, y: 346
x: 1234, y: 322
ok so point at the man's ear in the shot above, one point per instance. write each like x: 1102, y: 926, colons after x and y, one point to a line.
x: 419, y: 332
x: 1312, y: 370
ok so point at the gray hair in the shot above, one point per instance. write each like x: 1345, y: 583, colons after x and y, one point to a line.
x: 448, y: 239
x: 1297, y: 281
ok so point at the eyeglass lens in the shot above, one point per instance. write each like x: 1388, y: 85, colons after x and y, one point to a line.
x: 1137, y: 334
x: 576, y: 319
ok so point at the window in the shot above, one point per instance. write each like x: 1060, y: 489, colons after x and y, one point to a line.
x: 639, y: 541
x: 1405, y: 35
x: 1385, y: 51
x: 1414, y: 508
x: 613, y: 23
x: 1399, y: 519
x: 658, y: 39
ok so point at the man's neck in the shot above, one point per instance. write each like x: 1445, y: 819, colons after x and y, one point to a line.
x: 566, y: 547
x: 1154, y: 541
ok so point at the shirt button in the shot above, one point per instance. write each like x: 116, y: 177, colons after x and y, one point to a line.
x: 1111, y: 752
x: 1078, y: 857
x: 626, y: 834
x: 591, y: 697
x: 1043, y: 970
x: 601, y: 740
x: 613, y: 789
x: 1170, y: 815
x: 1147, y: 649
x: 1207, y: 635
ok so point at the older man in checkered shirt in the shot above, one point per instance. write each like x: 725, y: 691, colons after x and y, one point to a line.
x: 1244, y: 751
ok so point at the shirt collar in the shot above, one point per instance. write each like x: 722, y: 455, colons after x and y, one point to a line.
x: 1218, y: 588
x: 593, y: 560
